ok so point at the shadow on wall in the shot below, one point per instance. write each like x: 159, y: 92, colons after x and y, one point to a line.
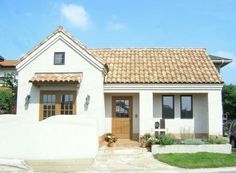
x: 200, y: 115
x: 32, y: 97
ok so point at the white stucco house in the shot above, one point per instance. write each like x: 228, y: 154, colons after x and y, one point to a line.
x: 141, y: 85
x: 119, y: 90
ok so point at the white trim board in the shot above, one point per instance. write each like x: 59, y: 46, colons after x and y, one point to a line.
x: 160, y: 88
x: 67, y: 41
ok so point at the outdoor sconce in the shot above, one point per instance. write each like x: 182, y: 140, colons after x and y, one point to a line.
x: 27, y: 99
x: 87, y: 100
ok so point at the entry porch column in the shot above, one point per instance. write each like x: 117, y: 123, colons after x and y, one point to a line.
x: 215, y: 113
x: 146, y: 112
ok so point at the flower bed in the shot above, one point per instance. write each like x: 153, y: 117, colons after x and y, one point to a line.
x: 169, y: 144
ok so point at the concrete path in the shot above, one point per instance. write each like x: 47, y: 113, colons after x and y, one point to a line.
x: 127, y: 159
x: 118, y: 160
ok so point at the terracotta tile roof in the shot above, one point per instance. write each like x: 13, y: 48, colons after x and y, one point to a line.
x: 58, y: 30
x: 158, y: 65
x: 8, y: 63
x: 56, y: 77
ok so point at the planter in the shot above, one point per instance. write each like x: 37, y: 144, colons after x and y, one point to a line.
x: 110, y: 144
x: 212, y: 148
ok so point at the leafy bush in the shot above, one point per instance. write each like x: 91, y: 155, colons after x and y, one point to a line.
x: 167, y: 140
x: 7, y: 100
x: 153, y: 140
x: 192, y: 141
x: 215, y: 140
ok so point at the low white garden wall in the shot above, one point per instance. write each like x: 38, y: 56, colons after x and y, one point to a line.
x: 58, y: 137
x: 214, y: 148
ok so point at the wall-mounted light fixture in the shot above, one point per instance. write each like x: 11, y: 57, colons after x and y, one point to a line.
x: 87, y: 100
x: 27, y: 101
x: 27, y: 98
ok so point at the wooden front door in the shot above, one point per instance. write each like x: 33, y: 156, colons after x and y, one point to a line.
x: 57, y: 103
x: 122, y: 117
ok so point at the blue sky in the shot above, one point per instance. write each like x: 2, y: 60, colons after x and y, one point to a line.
x: 209, y: 24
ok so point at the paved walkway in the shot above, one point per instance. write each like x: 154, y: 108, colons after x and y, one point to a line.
x: 110, y: 160
x: 127, y: 159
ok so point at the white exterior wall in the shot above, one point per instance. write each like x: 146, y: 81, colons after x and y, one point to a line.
x: 146, y: 112
x: 57, y: 137
x: 215, y: 118
x: 199, y: 122
x: 135, y: 115
x: 207, y: 106
x: 43, y: 62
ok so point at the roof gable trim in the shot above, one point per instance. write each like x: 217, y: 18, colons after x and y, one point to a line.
x: 67, y: 39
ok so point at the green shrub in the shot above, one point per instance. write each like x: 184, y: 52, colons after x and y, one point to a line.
x: 215, y: 140
x: 6, y: 101
x: 153, y: 140
x: 167, y: 140
x: 191, y: 141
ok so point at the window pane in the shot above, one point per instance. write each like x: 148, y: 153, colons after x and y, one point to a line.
x: 122, y: 108
x: 67, y: 104
x: 168, y: 106
x: 45, y: 99
x: 49, y: 105
x: 59, y: 58
x: 186, y: 107
x: 53, y: 98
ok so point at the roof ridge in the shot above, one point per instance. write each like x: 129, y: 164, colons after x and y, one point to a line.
x: 165, y: 48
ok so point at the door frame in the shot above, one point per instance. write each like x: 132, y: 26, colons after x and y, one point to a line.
x: 130, y: 98
x: 57, y: 108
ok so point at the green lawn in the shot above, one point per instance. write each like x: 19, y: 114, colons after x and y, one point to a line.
x: 198, y: 160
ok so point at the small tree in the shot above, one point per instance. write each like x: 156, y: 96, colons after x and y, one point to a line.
x: 10, y: 81
x: 10, y: 97
x: 229, y: 101
x: 7, y: 101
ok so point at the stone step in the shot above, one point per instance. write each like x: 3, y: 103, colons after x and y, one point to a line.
x: 124, y: 143
x: 109, y: 158
x: 117, y: 150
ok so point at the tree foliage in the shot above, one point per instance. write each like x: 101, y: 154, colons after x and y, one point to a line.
x: 8, y: 96
x: 10, y: 81
x: 229, y: 101
x: 7, y: 101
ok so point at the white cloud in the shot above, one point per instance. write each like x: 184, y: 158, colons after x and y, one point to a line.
x: 226, y: 54
x: 76, y: 15
x: 115, y: 26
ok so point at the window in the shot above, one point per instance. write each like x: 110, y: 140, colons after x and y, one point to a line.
x: 122, y: 108
x: 49, y: 105
x: 57, y: 103
x: 186, y: 106
x: 167, y: 106
x: 59, y: 58
x: 67, y: 104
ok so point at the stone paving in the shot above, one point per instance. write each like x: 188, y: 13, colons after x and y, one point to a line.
x: 107, y: 160
x: 125, y: 159
x: 118, y: 159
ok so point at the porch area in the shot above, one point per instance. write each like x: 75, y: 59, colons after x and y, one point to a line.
x: 186, y: 114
